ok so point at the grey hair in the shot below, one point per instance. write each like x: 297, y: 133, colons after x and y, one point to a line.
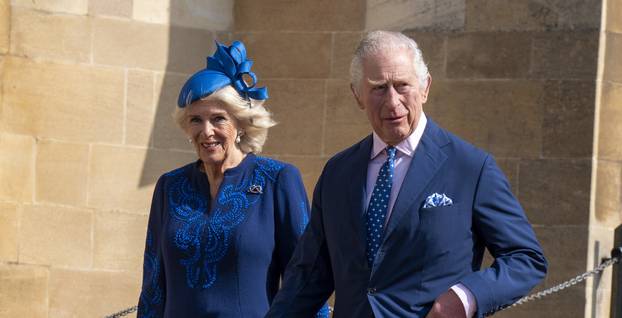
x: 377, y: 41
x: 254, y: 121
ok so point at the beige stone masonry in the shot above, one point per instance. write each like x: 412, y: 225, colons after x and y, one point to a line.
x: 614, y: 13
x: 166, y: 133
x: 23, y: 291
x: 147, y: 47
x: 75, y: 293
x: 215, y: 15
x: 16, y: 160
x: 608, y: 193
x: 60, y: 172
x: 119, y: 241
x: 55, y: 236
x: 140, y: 107
x: 344, y: 44
x: 565, y: 55
x: 401, y: 15
x: 188, y: 49
x: 79, y: 7
x: 37, y: 34
x: 114, y: 8
x: 279, y: 54
x: 9, y: 221
x: 613, y: 47
x: 5, y: 20
x: 301, y: 15
x: 115, y: 176
x: 297, y: 107
x: 609, y: 145
x: 310, y: 169
x: 62, y: 101
x: 346, y: 123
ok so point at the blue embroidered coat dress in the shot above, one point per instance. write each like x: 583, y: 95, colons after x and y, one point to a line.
x: 221, y: 258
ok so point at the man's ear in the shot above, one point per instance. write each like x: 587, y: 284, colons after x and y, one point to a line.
x: 425, y: 93
x: 356, y: 96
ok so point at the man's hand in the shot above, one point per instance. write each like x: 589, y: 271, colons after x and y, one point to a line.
x: 447, y: 305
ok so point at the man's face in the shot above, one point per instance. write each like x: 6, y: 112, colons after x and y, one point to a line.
x: 390, y: 94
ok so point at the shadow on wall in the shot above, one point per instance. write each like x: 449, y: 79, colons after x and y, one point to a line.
x: 194, y: 25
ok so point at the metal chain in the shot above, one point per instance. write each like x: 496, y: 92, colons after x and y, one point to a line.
x: 124, y: 312
x: 616, y: 256
x: 571, y: 282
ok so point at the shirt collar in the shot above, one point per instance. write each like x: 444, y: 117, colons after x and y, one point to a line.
x: 406, y: 146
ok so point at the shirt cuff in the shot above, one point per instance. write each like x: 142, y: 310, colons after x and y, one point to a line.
x: 467, y: 299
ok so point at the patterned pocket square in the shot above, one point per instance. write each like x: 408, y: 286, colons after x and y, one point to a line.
x: 436, y: 200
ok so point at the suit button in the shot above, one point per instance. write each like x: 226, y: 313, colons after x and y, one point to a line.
x: 371, y: 290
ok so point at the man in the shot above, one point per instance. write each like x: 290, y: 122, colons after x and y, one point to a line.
x: 401, y: 219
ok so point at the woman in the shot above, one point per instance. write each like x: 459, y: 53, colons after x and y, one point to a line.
x: 222, y: 229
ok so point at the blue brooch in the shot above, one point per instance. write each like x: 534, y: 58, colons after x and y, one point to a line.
x: 228, y: 66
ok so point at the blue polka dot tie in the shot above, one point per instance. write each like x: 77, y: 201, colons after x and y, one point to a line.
x: 378, y: 205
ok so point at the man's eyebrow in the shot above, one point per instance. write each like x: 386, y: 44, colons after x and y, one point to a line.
x: 377, y: 82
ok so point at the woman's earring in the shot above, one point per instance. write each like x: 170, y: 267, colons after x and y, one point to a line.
x: 189, y: 140
x: 238, y: 138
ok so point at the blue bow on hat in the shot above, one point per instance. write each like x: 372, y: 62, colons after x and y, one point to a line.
x: 227, y: 66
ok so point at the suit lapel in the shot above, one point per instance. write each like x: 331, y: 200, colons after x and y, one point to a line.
x: 426, y: 162
x: 357, y: 184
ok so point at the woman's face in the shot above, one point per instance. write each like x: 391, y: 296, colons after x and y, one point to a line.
x: 213, y: 131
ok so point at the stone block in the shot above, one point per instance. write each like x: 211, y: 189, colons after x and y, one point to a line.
x: 310, y: 169
x: 147, y: 47
x: 346, y: 123
x: 166, y: 134
x: 614, y: 16
x: 113, y: 8
x: 608, y: 195
x: 568, y: 119
x: 79, y: 7
x: 415, y: 14
x: 344, y: 45
x: 120, y: 179
x: 565, y: 248
x: 75, y: 293
x: 16, y: 160
x: 565, y: 55
x: 61, y: 172
x: 188, y: 49
x: 119, y: 241
x: 577, y: 14
x: 61, y: 101
x: 5, y: 25
x: 613, y: 68
x: 140, y: 107
x: 610, y: 130
x: 214, y: 15
x: 488, y: 55
x: 555, y: 191
x: 503, y: 117
x: 508, y: 15
x: 303, y: 15
x: 9, y: 225
x: 288, y: 55
x: 23, y: 291
x: 37, y: 34
x: 55, y: 236
x: 298, y: 108
x: 432, y: 45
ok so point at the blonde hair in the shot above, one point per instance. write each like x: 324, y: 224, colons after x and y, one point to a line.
x: 254, y: 120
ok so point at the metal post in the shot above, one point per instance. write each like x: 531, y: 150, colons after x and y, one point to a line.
x: 616, y: 283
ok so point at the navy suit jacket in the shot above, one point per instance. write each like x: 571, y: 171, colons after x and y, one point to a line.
x: 425, y: 250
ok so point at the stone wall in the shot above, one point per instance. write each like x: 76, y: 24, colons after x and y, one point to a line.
x: 88, y: 87
x: 606, y: 212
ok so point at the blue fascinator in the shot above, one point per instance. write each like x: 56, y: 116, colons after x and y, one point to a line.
x: 227, y: 66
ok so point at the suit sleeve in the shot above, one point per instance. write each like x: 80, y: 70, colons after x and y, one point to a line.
x: 152, y: 296
x: 499, y: 221
x: 307, y: 281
